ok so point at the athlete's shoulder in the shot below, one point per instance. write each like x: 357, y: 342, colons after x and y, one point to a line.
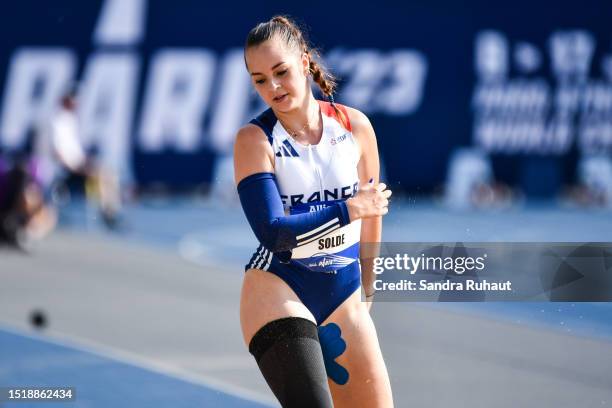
x: 265, y: 121
x: 250, y: 134
x: 252, y: 152
x: 359, y: 120
x: 336, y: 111
x: 352, y: 119
x: 362, y: 129
x: 258, y: 128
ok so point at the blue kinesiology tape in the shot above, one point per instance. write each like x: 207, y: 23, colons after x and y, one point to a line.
x: 332, y: 346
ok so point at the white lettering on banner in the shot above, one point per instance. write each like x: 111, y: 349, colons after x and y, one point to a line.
x: 530, y: 114
x: 106, y: 105
x: 528, y: 58
x: 37, y: 77
x: 571, y: 54
x: 231, y: 104
x: 364, y: 70
x: 178, y: 91
x: 121, y: 22
x: 407, y: 72
x: 491, y: 56
x: 177, y: 95
x: 595, y: 127
x: 368, y: 70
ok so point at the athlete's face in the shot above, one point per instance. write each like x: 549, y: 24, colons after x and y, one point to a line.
x: 278, y: 74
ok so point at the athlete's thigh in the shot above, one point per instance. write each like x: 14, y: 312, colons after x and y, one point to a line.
x: 368, y: 382
x: 266, y: 297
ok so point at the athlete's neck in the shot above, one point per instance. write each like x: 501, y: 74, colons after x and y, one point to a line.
x: 304, y: 124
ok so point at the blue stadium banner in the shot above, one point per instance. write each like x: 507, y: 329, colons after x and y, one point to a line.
x: 163, y: 87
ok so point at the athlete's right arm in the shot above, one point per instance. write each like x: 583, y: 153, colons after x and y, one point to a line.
x: 252, y: 153
x: 261, y: 202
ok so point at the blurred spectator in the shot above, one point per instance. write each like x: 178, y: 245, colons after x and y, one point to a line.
x: 594, y: 182
x: 23, y: 213
x: 62, y: 157
x: 471, y: 184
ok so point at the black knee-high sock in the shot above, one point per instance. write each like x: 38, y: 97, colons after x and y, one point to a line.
x: 289, y: 356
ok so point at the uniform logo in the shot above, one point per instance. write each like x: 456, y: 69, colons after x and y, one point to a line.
x: 336, y: 140
x: 287, y: 150
x: 322, y: 261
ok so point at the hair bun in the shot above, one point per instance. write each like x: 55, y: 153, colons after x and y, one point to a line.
x: 282, y: 20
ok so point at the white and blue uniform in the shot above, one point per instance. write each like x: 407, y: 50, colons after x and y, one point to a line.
x: 323, y: 269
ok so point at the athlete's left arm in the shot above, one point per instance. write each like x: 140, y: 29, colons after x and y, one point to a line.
x: 368, y: 169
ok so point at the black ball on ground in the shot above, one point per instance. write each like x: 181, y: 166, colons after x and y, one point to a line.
x: 38, y: 319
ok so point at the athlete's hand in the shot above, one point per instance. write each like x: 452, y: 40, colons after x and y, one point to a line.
x: 370, y: 201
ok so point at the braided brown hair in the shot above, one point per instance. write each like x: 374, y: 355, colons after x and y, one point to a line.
x: 289, y: 32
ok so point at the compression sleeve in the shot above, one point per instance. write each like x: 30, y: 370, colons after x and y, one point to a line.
x: 262, y: 205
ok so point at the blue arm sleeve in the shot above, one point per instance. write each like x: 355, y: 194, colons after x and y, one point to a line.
x: 262, y: 205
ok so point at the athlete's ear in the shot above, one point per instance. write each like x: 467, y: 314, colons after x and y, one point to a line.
x: 306, y: 63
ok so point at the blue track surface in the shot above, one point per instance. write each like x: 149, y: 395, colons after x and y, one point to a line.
x: 100, y: 382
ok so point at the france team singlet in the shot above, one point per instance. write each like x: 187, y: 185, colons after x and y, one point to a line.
x: 310, y: 178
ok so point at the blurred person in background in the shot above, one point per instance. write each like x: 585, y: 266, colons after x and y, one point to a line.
x: 24, y: 215
x: 298, y: 166
x: 62, y: 157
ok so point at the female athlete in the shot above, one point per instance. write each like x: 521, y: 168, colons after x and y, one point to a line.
x: 307, y: 176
